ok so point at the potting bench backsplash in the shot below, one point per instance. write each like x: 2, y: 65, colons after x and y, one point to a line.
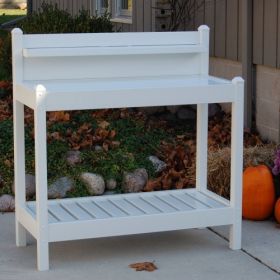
x: 93, y: 71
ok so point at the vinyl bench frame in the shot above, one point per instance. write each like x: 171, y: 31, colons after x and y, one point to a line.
x: 95, y: 71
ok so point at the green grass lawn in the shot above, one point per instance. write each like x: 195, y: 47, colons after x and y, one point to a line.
x: 10, y: 14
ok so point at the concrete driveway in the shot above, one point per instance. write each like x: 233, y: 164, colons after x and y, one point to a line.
x: 191, y: 254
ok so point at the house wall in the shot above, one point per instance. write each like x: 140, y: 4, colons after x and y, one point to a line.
x: 142, y: 18
x: 72, y: 6
x: 227, y: 69
x: 224, y: 19
x: 267, y: 94
x: 268, y: 102
x: 222, y: 16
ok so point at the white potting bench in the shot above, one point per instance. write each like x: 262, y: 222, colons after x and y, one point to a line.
x: 94, y: 71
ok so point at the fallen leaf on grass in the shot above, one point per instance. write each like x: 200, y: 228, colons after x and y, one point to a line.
x: 8, y: 163
x: 103, y: 124
x: 59, y: 116
x: 144, y: 266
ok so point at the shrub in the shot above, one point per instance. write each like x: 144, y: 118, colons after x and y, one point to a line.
x: 50, y: 19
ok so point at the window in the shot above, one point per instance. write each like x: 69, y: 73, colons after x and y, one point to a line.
x: 102, y: 6
x: 124, y: 8
x: 121, y: 10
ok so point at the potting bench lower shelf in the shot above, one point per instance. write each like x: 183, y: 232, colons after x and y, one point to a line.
x: 53, y: 72
x: 79, y: 218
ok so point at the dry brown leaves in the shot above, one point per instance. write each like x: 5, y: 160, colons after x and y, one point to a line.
x: 144, y: 266
x: 86, y: 136
x: 219, y: 134
x: 6, y: 110
x: 60, y: 116
x: 179, y: 159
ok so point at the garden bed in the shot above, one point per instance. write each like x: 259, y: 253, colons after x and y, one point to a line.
x: 113, y: 144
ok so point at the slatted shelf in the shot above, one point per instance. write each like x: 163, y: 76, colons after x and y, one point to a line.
x: 118, y: 206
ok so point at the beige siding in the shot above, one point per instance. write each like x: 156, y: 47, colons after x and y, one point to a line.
x: 223, y: 17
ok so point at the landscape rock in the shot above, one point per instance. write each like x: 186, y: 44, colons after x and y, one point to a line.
x: 60, y: 187
x: 94, y: 182
x: 7, y: 203
x: 111, y: 184
x: 30, y: 185
x: 73, y: 157
x: 158, y: 164
x: 135, y: 181
x: 98, y: 148
x: 186, y: 113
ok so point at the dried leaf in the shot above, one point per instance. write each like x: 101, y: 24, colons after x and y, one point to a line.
x: 8, y: 163
x: 55, y: 136
x: 85, y: 128
x: 153, y: 185
x: 105, y: 146
x: 144, y: 266
x: 59, y: 116
x: 166, y: 182
x: 103, y: 124
x: 102, y: 133
x: 115, y: 144
x: 112, y: 134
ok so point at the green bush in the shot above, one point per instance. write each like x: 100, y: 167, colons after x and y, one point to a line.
x: 50, y: 19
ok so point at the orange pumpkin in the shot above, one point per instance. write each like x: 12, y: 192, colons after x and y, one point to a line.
x: 277, y: 211
x: 258, y: 193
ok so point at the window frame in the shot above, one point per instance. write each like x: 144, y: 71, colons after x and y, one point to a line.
x: 123, y: 12
x: 101, y: 10
x: 119, y: 15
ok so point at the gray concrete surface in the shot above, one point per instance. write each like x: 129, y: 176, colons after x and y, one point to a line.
x: 190, y: 254
x: 261, y: 240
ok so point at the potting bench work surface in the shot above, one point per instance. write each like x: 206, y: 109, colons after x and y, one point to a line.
x: 188, y: 254
x: 54, y: 72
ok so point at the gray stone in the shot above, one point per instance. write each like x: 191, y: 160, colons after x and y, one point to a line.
x: 94, y: 183
x: 111, y: 184
x: 98, y: 148
x: 7, y: 203
x: 135, y: 181
x: 158, y: 164
x: 60, y: 188
x: 213, y: 109
x: 186, y: 113
x: 30, y: 185
x: 73, y: 157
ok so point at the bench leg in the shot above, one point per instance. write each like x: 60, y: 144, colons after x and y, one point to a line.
x: 236, y: 164
x: 19, y: 154
x: 42, y: 255
x: 41, y: 180
x: 235, y: 236
x: 20, y: 235
x: 202, y: 147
